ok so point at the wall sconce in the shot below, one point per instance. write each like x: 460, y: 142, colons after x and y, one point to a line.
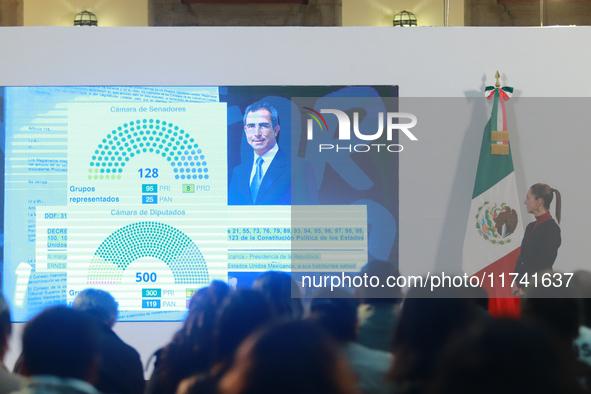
x: 405, y: 18
x: 85, y: 18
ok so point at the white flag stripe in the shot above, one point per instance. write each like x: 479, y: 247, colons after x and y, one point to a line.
x: 478, y: 252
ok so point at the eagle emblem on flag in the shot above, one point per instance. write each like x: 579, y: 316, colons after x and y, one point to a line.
x: 495, y: 223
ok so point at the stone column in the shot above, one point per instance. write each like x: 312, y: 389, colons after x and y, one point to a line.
x: 11, y: 12
x: 174, y: 13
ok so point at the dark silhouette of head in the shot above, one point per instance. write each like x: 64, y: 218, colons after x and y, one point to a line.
x: 556, y: 308
x: 278, y: 288
x: 504, y: 356
x: 428, y: 320
x: 191, y: 349
x: 294, y: 357
x: 98, y: 303
x: 62, y: 342
x: 5, y: 326
x: 242, y: 313
x: 336, y: 311
x: 582, y: 283
x: 379, y: 295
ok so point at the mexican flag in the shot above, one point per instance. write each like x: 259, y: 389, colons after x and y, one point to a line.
x: 495, y: 230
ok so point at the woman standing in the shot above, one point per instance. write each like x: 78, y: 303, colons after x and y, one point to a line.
x: 541, y: 239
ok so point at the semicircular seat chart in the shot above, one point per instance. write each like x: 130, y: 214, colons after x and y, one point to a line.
x: 148, y: 239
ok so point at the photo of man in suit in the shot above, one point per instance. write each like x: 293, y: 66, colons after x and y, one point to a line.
x: 267, y: 178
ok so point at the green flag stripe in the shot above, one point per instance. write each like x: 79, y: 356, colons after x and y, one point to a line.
x: 491, y: 168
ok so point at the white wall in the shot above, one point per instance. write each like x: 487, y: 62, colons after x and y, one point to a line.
x: 108, y: 12
x: 436, y: 173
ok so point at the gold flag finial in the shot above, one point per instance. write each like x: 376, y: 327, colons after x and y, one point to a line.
x: 497, y: 76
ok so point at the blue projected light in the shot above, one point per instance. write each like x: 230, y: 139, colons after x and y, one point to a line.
x: 136, y: 190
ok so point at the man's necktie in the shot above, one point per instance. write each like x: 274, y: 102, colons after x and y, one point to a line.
x: 256, y: 180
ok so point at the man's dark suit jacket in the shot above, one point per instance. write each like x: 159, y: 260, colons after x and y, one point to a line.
x: 276, y: 186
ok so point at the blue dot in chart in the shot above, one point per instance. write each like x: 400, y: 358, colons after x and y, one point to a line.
x: 182, y: 170
x: 186, y: 152
x: 182, y: 177
x: 183, y: 158
x: 198, y: 164
x: 204, y: 163
x: 192, y: 163
x: 206, y: 176
x: 193, y: 152
x: 172, y: 164
x: 200, y: 170
x: 193, y: 170
x: 194, y: 176
x: 179, y: 164
x: 186, y: 163
x: 176, y: 170
x: 202, y: 157
x: 200, y: 176
x: 205, y: 170
x: 176, y: 177
x: 199, y: 151
x: 189, y: 157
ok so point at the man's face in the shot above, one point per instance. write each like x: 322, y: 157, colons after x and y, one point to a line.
x: 260, y: 132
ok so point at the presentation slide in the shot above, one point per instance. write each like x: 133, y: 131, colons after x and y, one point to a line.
x: 150, y: 193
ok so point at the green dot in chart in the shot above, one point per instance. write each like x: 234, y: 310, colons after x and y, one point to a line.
x: 96, y: 176
x: 101, y: 177
x: 113, y: 176
x: 90, y: 177
x: 96, y: 170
